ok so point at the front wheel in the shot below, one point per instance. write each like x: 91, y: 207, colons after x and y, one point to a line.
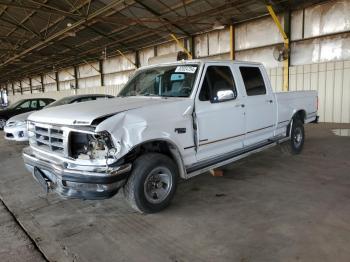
x: 152, y: 183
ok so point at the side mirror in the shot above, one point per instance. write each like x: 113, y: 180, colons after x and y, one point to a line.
x: 223, y: 95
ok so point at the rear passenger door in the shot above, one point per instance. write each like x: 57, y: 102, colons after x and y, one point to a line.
x: 260, y: 105
x: 220, y: 123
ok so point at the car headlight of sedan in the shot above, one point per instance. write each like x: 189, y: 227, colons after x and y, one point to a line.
x: 15, y: 123
x: 20, y: 123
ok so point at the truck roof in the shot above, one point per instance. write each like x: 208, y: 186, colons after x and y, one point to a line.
x: 201, y: 61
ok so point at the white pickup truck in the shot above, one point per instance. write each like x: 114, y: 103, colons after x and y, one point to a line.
x: 170, y: 121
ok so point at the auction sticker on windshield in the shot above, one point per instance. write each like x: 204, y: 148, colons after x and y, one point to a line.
x: 186, y: 69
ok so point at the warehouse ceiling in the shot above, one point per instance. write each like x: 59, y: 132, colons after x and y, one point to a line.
x: 39, y: 36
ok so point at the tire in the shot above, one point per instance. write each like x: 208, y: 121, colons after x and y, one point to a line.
x: 297, y: 138
x: 152, y: 183
x: 2, y: 123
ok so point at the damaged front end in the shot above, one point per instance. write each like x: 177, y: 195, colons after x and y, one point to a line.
x: 90, y: 146
x: 75, y: 162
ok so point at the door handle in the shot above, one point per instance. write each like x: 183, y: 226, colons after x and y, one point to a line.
x: 240, y: 105
x: 269, y: 101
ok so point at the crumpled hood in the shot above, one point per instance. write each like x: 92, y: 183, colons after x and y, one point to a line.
x: 85, y: 113
x: 21, y: 117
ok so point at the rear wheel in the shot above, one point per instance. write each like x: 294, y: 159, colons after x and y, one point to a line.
x: 152, y: 183
x: 2, y: 123
x: 297, y: 138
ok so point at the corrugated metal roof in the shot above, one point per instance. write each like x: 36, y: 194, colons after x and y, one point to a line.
x: 39, y: 35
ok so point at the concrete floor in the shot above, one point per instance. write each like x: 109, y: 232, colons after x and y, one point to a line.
x: 268, y: 207
x: 15, y: 245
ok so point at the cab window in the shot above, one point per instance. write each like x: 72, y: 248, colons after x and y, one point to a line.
x: 253, y: 80
x: 217, y: 78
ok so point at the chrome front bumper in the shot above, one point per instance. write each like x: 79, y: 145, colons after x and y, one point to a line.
x: 77, y: 182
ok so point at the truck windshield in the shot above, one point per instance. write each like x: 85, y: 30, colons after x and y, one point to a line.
x: 166, y: 81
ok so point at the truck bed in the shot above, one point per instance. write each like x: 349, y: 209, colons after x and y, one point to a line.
x: 288, y: 101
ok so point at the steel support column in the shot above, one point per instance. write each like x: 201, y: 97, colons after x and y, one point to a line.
x: 20, y: 86
x: 286, y: 44
x: 57, y: 81
x: 232, y: 42
x: 137, y: 59
x: 42, y: 83
x: 30, y: 85
x: 102, y: 77
x: 192, y: 47
x: 286, y: 63
x: 76, y: 85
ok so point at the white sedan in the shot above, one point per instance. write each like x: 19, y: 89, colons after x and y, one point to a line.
x: 16, y: 127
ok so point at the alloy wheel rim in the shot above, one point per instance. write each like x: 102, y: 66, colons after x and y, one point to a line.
x: 298, y: 137
x: 158, y: 185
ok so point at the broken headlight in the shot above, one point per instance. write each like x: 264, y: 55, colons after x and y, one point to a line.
x: 88, y: 146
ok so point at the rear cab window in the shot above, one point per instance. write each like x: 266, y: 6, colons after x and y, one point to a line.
x: 253, y: 80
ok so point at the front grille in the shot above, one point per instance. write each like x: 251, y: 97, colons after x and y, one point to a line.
x: 48, y: 138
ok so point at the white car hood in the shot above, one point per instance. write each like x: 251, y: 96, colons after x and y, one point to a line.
x: 85, y: 113
x: 21, y: 117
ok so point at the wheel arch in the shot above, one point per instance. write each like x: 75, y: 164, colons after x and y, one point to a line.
x: 163, y: 146
x: 299, y: 114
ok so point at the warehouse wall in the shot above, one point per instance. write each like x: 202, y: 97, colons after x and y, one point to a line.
x: 332, y: 81
x: 320, y: 54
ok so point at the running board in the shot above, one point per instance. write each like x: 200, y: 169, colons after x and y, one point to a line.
x: 226, y: 159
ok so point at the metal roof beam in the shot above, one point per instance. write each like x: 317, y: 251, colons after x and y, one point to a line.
x: 152, y: 11
x: 40, y: 8
x: 65, y: 30
x: 18, y: 24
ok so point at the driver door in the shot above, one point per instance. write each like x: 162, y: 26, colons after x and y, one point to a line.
x: 24, y: 107
x: 220, y: 123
